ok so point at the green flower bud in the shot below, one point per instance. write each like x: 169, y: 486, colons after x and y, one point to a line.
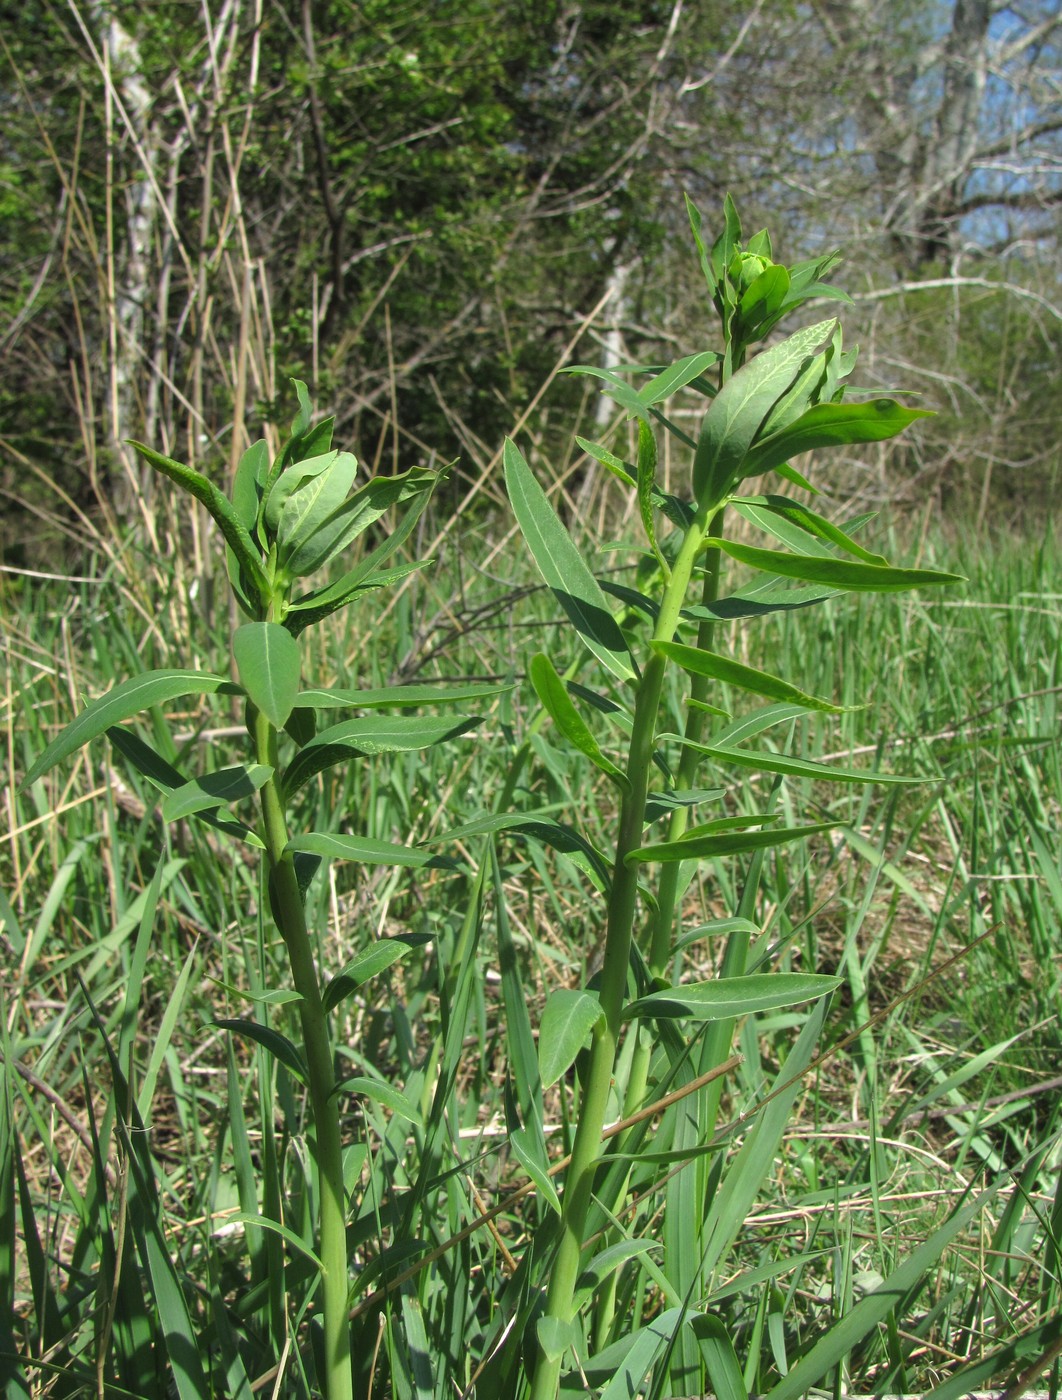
x: 745, y: 268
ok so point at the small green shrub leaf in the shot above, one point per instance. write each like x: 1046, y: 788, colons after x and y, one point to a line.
x: 616, y: 465
x: 722, y: 668
x: 555, y: 699
x: 369, y: 963
x: 844, y: 574
x: 811, y: 522
x: 339, y: 529
x: 269, y: 661
x: 126, y: 699
x: 279, y: 1046
x: 563, y: 568
x: 315, y: 499
x: 711, y: 846
x: 567, y: 1020
x: 727, y: 997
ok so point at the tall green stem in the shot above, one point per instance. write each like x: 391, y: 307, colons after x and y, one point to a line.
x: 290, y: 916
x: 621, y: 912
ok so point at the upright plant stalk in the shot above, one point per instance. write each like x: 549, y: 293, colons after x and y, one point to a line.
x: 618, y: 935
x: 288, y: 519
x: 290, y: 916
x: 779, y: 404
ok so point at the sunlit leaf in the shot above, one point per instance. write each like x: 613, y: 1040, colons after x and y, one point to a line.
x: 269, y: 662
x: 725, y: 998
x: 562, y: 566
x: 567, y: 1020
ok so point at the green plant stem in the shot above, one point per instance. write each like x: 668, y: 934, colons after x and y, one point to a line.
x: 619, y: 929
x: 290, y: 916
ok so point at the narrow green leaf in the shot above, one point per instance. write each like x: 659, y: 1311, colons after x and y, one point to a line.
x: 763, y: 298
x: 732, y: 421
x: 561, y: 838
x: 616, y: 465
x: 720, y: 1358
x: 766, y: 762
x: 721, y: 668
x: 677, y: 376
x: 263, y: 1222
x: 835, y: 573
x: 401, y: 696
x: 248, y: 483
x: 831, y: 425
x: 523, y: 1142
x: 279, y: 1046
x: 647, y: 490
x: 567, y: 1021
x: 301, y: 422
x: 712, y: 847
x: 309, y: 610
x: 269, y: 661
x: 812, y: 524
x: 641, y: 1350
x: 562, y: 566
x: 219, y: 506
x: 333, y: 846
x: 369, y: 963
x: 167, y: 779
x: 126, y: 699
x: 380, y: 1092
x: 728, y: 997
x: 360, y: 510
x: 217, y: 789
x: 555, y: 699
x: 370, y: 735
x: 697, y: 225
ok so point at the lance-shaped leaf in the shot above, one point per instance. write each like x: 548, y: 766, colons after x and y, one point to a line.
x: 831, y: 425
x: 567, y: 1020
x: 559, y: 837
x: 727, y: 997
x: 219, y: 506
x: 311, y: 504
x: 714, y: 847
x: 402, y: 696
x: 765, y: 762
x: 339, y: 529
x: 369, y: 963
x: 368, y: 736
x: 697, y: 226
x: 845, y: 574
x: 724, y: 668
x: 720, y: 1358
x: 808, y: 521
x: 167, y: 779
x: 555, y: 699
x: 762, y: 300
x: 331, y: 845
x: 269, y: 661
x: 249, y: 481
x: 279, y: 1046
x: 647, y: 490
x: 562, y: 566
x: 742, y: 404
x: 290, y: 482
x: 305, y: 613
x: 126, y: 699
x: 214, y: 790
x: 616, y: 465
x: 677, y: 376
